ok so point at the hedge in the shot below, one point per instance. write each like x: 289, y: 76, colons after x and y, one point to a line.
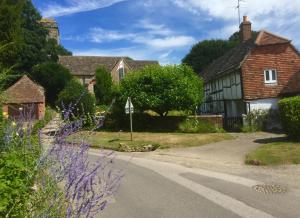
x: 143, y: 122
x: 289, y: 109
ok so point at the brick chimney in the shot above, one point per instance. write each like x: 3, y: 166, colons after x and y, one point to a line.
x: 245, y: 30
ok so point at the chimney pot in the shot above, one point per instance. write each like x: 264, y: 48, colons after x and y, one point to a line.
x: 245, y: 30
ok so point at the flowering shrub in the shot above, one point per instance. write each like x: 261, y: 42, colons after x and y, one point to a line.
x: 32, y: 170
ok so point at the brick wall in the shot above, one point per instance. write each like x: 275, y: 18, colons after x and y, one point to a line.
x: 284, y: 59
x: 41, y: 110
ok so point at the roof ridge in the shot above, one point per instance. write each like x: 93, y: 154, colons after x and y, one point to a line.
x: 263, y: 31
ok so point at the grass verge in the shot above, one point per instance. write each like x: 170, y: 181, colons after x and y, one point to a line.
x: 276, y: 153
x: 118, y: 140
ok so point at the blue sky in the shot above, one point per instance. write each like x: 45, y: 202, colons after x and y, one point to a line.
x: 162, y: 30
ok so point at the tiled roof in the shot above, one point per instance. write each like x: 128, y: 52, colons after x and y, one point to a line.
x: 137, y: 64
x: 24, y: 91
x: 87, y: 65
x: 229, y: 61
x: 234, y: 58
x: 267, y: 38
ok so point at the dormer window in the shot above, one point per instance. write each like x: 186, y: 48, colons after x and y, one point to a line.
x: 270, y: 76
x: 121, y: 73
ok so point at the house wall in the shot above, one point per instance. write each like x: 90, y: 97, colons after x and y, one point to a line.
x: 281, y: 57
x: 262, y: 104
x: 87, y: 81
x: 226, y: 90
x: 115, y: 71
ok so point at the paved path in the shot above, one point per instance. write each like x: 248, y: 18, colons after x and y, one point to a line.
x: 158, y: 189
x: 228, y: 157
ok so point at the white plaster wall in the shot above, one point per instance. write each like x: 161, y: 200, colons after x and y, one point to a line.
x: 264, y: 104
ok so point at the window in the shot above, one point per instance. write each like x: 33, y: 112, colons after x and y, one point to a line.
x: 270, y: 76
x: 121, y: 73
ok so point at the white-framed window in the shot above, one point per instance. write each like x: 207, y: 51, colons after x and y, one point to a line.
x: 121, y: 73
x: 270, y: 76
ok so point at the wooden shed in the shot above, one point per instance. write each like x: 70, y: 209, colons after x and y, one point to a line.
x: 24, y: 97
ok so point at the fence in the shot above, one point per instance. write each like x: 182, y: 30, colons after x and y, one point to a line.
x: 233, y: 123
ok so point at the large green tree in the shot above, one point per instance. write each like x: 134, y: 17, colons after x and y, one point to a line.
x: 205, y: 52
x: 103, y: 86
x: 163, y: 88
x: 19, y: 23
x: 53, y: 77
x: 10, y: 34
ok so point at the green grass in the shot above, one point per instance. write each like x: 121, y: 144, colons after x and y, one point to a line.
x: 112, y: 140
x: 277, y: 153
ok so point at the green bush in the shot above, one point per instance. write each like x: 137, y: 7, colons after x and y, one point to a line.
x: 103, y: 87
x: 163, y: 88
x: 143, y: 122
x: 78, y: 96
x: 192, y: 125
x: 53, y: 77
x: 289, y: 109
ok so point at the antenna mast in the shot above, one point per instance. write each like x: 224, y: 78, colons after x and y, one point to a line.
x: 239, y: 10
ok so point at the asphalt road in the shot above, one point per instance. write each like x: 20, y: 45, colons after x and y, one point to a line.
x: 152, y: 189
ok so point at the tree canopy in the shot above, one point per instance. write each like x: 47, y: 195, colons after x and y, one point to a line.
x: 75, y: 94
x: 53, y: 77
x: 103, y: 86
x: 205, y: 52
x: 21, y: 28
x: 163, y: 88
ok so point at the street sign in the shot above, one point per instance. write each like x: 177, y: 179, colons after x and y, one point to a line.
x: 129, y: 109
x: 129, y: 106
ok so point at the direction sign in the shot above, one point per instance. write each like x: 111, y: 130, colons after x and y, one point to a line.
x: 129, y: 106
x: 129, y: 110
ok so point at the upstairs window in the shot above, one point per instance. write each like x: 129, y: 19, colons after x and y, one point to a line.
x: 270, y: 76
x: 121, y: 73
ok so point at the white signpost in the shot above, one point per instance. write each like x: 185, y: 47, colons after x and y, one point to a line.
x: 129, y: 109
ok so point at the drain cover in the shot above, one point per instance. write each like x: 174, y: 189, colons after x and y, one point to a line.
x: 270, y: 189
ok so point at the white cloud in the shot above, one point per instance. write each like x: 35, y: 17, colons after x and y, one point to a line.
x: 100, y: 35
x: 76, y: 6
x: 167, y: 42
x: 278, y: 16
x: 156, y: 36
x: 154, y: 29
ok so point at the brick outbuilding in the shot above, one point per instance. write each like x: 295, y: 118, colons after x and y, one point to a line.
x: 24, y: 97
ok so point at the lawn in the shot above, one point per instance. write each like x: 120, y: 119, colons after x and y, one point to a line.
x: 119, y: 140
x: 275, y: 153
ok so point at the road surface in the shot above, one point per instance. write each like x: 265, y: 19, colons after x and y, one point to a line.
x: 153, y: 189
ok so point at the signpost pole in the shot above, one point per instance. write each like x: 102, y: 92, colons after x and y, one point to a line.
x: 130, y: 112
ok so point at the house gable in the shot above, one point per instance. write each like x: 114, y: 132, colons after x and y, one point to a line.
x: 282, y: 58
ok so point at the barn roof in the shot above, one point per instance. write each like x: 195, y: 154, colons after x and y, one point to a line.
x: 87, y: 65
x: 25, y: 91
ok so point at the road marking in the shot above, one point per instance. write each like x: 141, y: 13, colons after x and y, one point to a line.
x: 173, y: 171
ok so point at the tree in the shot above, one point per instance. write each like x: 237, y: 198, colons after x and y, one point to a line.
x: 53, y: 50
x: 205, y: 52
x: 10, y: 34
x: 103, y: 87
x: 20, y: 23
x: 77, y: 95
x: 163, y: 88
x: 53, y: 77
